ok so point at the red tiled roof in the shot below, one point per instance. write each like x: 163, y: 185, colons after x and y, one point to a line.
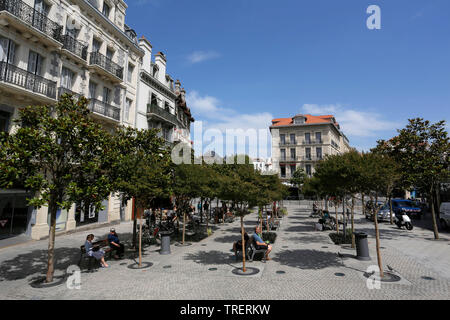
x: 309, y: 120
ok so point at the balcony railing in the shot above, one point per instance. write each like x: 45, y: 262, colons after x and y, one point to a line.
x: 96, y: 58
x: 32, y: 17
x: 161, y: 113
x: 104, y: 108
x: 317, y: 141
x: 78, y: 48
x: 14, y: 75
x: 287, y: 143
x: 312, y: 158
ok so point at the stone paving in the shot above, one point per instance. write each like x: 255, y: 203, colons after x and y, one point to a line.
x: 203, y: 270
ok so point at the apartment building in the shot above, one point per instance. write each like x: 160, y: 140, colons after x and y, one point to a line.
x: 50, y: 47
x: 301, y: 141
x: 161, y: 101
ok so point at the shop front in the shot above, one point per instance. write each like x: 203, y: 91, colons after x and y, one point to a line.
x: 15, y: 214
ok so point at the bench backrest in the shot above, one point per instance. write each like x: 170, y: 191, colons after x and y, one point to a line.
x: 100, y: 242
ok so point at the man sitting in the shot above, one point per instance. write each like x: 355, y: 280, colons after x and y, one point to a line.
x: 260, y: 244
x: 115, y: 244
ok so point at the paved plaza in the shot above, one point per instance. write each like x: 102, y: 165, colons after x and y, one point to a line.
x: 305, y: 265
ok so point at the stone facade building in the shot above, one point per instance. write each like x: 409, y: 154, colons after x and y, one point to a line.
x: 303, y: 140
x: 50, y: 47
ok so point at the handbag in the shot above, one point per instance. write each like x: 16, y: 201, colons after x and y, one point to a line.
x: 95, y: 248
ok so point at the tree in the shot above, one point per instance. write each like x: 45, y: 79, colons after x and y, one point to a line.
x: 378, y: 170
x: 60, y: 154
x: 298, y: 179
x: 422, y: 151
x: 140, y: 169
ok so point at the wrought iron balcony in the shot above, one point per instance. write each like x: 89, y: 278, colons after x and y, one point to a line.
x: 14, y: 75
x: 317, y: 141
x: 313, y: 158
x: 76, y: 47
x: 104, y: 109
x: 162, y: 114
x: 96, y: 58
x: 33, y: 18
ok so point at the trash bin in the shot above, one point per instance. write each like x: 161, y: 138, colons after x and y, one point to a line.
x: 362, y: 247
x: 165, y: 242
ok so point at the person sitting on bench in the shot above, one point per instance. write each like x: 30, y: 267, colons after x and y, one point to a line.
x: 95, y: 251
x: 115, y: 244
x: 238, y: 244
x: 260, y: 244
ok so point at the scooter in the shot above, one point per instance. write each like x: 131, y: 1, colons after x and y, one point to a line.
x: 401, y: 220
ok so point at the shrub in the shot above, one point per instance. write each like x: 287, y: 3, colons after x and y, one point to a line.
x: 269, y: 236
x: 339, y: 238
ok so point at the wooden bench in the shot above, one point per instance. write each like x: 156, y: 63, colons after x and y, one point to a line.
x: 247, y: 249
x: 103, y: 244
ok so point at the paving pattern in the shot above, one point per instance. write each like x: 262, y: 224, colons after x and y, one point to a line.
x: 305, y: 265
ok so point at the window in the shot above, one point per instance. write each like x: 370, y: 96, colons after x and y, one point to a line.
x: 35, y: 63
x: 283, y: 154
x: 41, y: 6
x: 96, y: 45
x: 308, y: 153
x: 106, y: 95
x: 292, y: 170
x: 109, y: 53
x: 106, y: 10
x: 293, y: 154
x: 308, y: 169
x: 92, y: 90
x: 307, y: 138
x: 4, y: 121
x: 318, y: 137
x: 128, y: 103
x: 292, y: 136
x: 67, y: 76
x: 283, y: 171
x: 282, y: 138
x: 7, y: 50
x: 130, y: 73
x: 319, y: 153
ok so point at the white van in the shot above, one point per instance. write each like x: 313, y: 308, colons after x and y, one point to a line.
x: 445, y: 214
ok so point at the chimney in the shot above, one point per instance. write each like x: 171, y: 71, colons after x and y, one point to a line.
x: 177, y: 86
x: 160, y: 60
x: 183, y: 95
x: 145, y: 45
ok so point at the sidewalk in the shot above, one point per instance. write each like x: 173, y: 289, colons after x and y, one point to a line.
x: 304, y: 265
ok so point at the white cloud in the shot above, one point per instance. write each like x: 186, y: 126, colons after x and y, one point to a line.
x: 200, y: 56
x: 208, y: 110
x: 354, y: 123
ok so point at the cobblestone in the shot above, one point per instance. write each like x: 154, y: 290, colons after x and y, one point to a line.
x: 308, y: 258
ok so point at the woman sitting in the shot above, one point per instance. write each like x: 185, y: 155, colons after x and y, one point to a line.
x: 95, y: 251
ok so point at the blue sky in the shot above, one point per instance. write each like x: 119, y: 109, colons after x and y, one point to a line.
x: 244, y: 62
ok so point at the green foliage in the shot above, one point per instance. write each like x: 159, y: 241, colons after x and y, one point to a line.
x: 59, y: 153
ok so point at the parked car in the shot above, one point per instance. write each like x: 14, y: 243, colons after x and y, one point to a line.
x: 383, y: 213
x: 369, y: 206
x: 406, y: 206
x: 445, y: 215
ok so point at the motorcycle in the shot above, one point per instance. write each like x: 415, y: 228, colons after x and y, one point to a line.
x: 402, y: 219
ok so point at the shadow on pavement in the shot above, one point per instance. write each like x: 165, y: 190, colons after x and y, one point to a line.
x: 213, y: 257
x: 307, y: 259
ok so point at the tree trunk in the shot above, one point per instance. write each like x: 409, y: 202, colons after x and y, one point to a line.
x: 51, y: 241
x: 363, y: 205
x: 140, y: 242
x: 184, y: 226
x: 243, y: 243
x: 390, y: 210
x: 344, y: 220
x: 353, y: 221
x: 337, y: 220
x: 377, y: 236
x: 134, y: 223
x: 433, y: 217
x: 201, y: 210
